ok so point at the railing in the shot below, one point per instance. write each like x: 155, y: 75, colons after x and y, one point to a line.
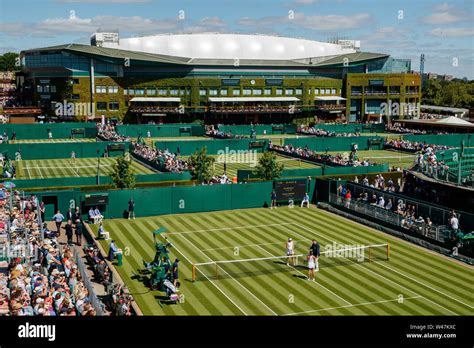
x: 96, y: 303
x: 243, y: 109
x: 423, y: 229
x: 331, y: 107
x: 171, y: 110
x: 450, y: 174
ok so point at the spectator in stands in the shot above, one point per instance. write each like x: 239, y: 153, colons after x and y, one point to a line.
x: 454, y: 223
x: 77, y: 215
x: 69, y: 232
x: 79, y: 232
x: 58, y: 219
x: 389, y: 204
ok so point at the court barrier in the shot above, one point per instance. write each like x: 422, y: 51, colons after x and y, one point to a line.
x: 353, y: 127
x: 259, y: 129
x: 161, y: 200
x: 317, y: 172
x: 161, y: 130
x: 92, y: 180
x: 214, y: 146
x: 58, y: 130
x: 337, y: 143
x: 63, y: 150
x: 443, y: 139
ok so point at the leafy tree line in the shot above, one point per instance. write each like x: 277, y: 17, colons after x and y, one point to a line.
x: 456, y: 93
x: 8, y: 61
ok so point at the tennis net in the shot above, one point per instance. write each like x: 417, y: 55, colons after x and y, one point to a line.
x: 333, y: 256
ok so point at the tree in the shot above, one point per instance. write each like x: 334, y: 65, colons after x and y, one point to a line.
x: 8, y: 61
x: 122, y: 175
x: 268, y: 168
x: 201, y: 165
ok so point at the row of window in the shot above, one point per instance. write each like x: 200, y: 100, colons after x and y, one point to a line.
x: 155, y: 91
x: 213, y: 91
x: 46, y: 88
x: 113, y: 106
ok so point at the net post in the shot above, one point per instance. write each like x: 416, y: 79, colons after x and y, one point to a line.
x: 388, y: 251
x: 193, y: 277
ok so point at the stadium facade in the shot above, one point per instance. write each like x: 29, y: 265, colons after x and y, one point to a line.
x: 223, y: 78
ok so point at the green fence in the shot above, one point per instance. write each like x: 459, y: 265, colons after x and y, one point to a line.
x: 214, y: 146
x: 443, y: 139
x: 160, y: 130
x: 167, y: 200
x: 58, y: 130
x: 335, y: 143
x: 63, y: 150
x: 103, y: 180
x: 314, y: 172
x: 260, y: 129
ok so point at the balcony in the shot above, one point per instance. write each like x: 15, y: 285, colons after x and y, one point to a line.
x: 330, y: 107
x: 22, y: 110
x: 155, y: 109
x: 241, y: 109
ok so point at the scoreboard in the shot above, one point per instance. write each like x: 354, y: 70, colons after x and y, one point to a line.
x: 294, y: 189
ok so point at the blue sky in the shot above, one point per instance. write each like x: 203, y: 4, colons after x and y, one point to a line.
x: 443, y: 31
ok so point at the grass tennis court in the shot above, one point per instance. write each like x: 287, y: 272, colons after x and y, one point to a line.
x: 64, y: 168
x: 67, y: 140
x: 289, y: 163
x: 393, y: 158
x: 413, y: 281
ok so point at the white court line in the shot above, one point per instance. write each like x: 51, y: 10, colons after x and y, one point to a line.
x: 394, y: 270
x: 377, y: 274
x: 217, y: 287
x: 229, y: 228
x: 28, y: 170
x: 61, y: 167
x: 247, y: 245
x: 39, y: 171
x: 343, y: 299
x: 273, y: 312
x: 348, y: 306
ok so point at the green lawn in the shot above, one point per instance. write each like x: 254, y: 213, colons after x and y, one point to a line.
x: 393, y: 158
x: 413, y: 281
x: 65, y: 167
x: 250, y: 162
x: 67, y: 140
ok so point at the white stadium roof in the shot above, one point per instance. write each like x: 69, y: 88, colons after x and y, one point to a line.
x: 230, y: 46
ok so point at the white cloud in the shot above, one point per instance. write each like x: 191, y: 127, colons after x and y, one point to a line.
x: 452, y: 32
x: 134, y: 26
x: 443, y: 18
x: 327, y: 22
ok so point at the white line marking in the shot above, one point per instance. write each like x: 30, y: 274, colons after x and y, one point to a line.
x: 28, y: 170
x: 69, y: 163
x: 232, y: 277
x: 348, y: 306
x: 217, y: 287
x: 344, y: 300
x: 248, y: 245
x: 39, y: 171
x: 379, y: 275
x: 230, y: 228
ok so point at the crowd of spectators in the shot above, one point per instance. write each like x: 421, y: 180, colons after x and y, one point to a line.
x: 7, y: 167
x: 323, y: 132
x: 224, y: 135
x: 379, y: 183
x: 107, y: 132
x: 40, y: 278
x: 398, y: 128
x: 170, y: 162
x: 413, y: 146
x: 337, y: 159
